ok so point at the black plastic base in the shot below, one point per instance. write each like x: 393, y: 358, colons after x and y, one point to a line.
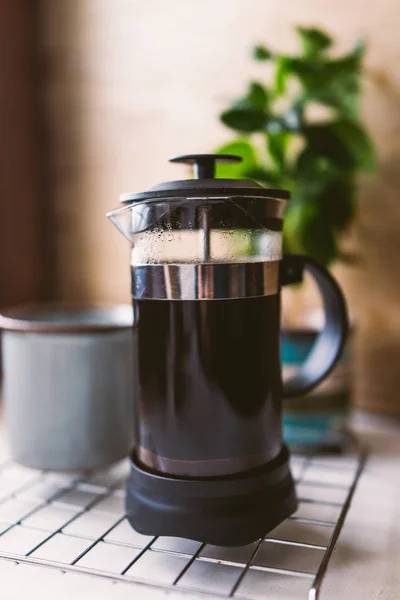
x: 224, y: 511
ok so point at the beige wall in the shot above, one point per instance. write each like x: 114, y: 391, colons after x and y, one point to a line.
x: 130, y: 83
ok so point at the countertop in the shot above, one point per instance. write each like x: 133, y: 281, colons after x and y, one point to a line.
x: 365, y: 565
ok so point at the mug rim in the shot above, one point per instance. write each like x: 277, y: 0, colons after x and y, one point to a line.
x: 32, y: 317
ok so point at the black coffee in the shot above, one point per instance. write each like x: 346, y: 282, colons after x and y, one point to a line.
x: 208, y: 384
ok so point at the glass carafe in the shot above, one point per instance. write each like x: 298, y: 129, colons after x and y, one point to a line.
x: 206, y: 273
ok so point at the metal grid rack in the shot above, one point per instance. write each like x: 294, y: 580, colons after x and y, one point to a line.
x: 77, y: 523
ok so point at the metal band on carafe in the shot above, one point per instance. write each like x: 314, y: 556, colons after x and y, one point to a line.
x: 204, y: 281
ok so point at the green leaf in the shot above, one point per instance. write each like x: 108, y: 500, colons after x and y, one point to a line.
x: 264, y: 175
x: 358, y: 51
x: 322, y: 77
x: 313, y: 40
x: 313, y: 169
x: 336, y: 199
x: 317, y: 237
x: 236, y: 170
x: 322, y: 169
x: 277, y: 146
x: 351, y: 62
x: 343, y: 95
x: 291, y: 225
x: 245, y: 120
x: 261, y: 53
x: 283, y: 72
x: 342, y: 85
x: 358, y: 142
x: 307, y: 231
x: 336, y: 82
x: 323, y: 140
x: 314, y: 74
x: 317, y: 213
x: 290, y: 121
x: 257, y: 95
x: 311, y: 73
x: 307, y: 166
x: 343, y: 142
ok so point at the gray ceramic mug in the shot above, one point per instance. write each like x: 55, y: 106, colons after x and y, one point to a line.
x: 68, y: 388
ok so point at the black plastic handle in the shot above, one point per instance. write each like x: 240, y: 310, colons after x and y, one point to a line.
x: 330, y: 342
x: 204, y: 164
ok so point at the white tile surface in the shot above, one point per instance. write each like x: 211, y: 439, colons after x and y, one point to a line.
x: 15, y: 475
x: 78, y: 498
x: 258, y: 585
x: 62, y: 548
x: 318, y: 512
x: 15, y: 509
x: 288, y: 557
x: 114, y: 504
x: 236, y: 555
x: 44, y: 490
x: 176, y: 545
x: 90, y: 525
x: 109, y: 477
x: 210, y: 577
x: 123, y: 533
x: 321, y: 493
x: 158, y: 567
x: 4, y: 526
x: 304, y: 533
x: 336, y: 462
x: 25, y: 581
x: 91, y: 487
x: 365, y: 563
x: 4, y: 493
x: 62, y: 479
x: 108, y: 557
x: 20, y: 540
x: 296, y: 467
x: 328, y: 475
x: 51, y: 517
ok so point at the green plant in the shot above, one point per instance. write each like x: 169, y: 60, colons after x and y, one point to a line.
x: 284, y: 142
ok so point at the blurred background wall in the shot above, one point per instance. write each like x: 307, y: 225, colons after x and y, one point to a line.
x: 25, y: 259
x: 130, y: 83
x: 126, y: 84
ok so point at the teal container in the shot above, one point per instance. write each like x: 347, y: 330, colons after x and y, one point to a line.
x: 318, y: 420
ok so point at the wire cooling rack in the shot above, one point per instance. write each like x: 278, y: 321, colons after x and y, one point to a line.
x: 77, y: 523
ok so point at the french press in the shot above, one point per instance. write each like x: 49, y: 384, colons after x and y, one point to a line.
x: 208, y: 462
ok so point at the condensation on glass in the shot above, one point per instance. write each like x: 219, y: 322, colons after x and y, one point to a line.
x: 194, y: 231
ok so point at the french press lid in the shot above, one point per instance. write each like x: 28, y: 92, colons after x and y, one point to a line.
x: 205, y: 184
